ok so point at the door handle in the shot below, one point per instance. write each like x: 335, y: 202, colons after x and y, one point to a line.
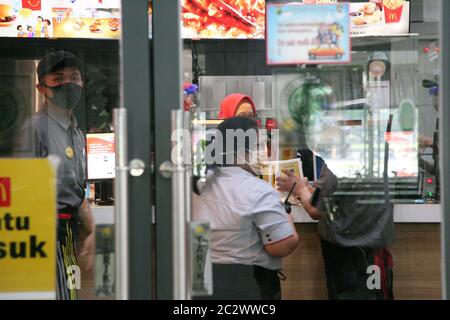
x: 136, y: 167
x: 121, y: 207
x: 167, y: 168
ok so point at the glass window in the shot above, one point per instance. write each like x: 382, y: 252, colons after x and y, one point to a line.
x: 366, y: 132
x: 56, y: 102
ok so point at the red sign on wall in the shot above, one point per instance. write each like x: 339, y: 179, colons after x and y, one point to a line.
x: 32, y: 4
x: 5, y: 192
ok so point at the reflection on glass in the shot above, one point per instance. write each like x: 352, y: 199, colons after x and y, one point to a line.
x: 341, y: 113
x: 92, y: 106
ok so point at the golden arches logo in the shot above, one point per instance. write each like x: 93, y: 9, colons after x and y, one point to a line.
x: 35, y: 3
x: 393, y: 16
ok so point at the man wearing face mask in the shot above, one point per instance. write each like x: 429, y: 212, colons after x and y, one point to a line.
x: 60, y: 82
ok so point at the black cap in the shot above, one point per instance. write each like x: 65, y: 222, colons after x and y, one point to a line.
x: 57, y: 60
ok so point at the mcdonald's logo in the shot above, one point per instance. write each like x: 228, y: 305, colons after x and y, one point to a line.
x: 393, y: 16
x: 32, y: 4
x: 5, y: 192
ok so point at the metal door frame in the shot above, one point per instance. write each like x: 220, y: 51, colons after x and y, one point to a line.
x: 167, y: 75
x: 145, y: 63
x: 134, y: 270
x: 444, y: 142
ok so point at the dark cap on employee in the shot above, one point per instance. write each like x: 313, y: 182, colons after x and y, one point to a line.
x: 57, y: 60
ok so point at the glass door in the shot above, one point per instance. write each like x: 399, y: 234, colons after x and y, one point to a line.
x: 171, y: 178
x: 75, y: 90
x: 59, y: 89
x: 134, y: 162
x: 365, y: 129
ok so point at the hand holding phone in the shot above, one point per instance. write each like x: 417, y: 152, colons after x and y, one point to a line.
x: 315, y: 197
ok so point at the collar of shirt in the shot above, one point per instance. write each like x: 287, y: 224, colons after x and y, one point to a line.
x: 232, y: 172
x: 60, y: 116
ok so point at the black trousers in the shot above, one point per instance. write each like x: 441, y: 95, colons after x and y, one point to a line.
x: 244, y: 282
x: 346, y: 272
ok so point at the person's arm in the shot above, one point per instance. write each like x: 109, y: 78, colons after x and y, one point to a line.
x: 276, y: 227
x: 303, y: 191
x: 286, y: 246
x: 87, y: 236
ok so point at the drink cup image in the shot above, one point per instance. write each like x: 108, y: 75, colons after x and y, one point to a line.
x: 393, y: 10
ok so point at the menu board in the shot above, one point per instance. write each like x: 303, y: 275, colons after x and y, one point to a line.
x: 60, y: 18
x: 223, y: 19
x: 308, y: 34
x: 202, y: 19
x: 376, y: 17
x: 87, y: 23
x: 379, y: 18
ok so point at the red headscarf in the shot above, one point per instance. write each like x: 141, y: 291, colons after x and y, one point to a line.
x: 229, y: 105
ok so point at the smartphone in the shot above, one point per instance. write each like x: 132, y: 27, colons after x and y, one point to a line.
x: 311, y: 164
x: 315, y: 197
x: 307, y: 158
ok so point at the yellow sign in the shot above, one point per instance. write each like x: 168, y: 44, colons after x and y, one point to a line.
x: 27, y: 228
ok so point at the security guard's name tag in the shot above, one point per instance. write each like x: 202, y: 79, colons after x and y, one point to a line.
x: 69, y: 152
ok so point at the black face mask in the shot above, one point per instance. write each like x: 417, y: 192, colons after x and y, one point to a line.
x: 66, y: 95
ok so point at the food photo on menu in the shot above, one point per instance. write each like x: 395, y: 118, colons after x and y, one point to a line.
x: 24, y: 20
x: 7, y: 15
x: 368, y: 14
x: 379, y: 17
x: 223, y: 19
x: 87, y: 23
x: 60, y: 19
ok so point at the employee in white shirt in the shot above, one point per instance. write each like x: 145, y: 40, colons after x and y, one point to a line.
x: 251, y: 230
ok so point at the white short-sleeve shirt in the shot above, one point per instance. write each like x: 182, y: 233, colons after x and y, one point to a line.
x: 245, y: 213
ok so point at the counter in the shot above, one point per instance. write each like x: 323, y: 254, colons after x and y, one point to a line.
x: 403, y: 213
x: 416, y: 251
x: 103, y: 214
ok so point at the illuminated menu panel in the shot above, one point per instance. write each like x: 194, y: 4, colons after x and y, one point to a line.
x: 308, y: 34
x: 202, y: 19
x: 379, y: 18
x: 60, y: 18
x: 213, y: 19
x: 223, y: 19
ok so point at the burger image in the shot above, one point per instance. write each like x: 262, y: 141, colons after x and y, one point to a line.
x: 7, y: 16
x: 95, y: 26
x: 114, y: 24
x: 368, y: 9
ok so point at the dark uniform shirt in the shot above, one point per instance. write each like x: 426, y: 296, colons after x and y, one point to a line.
x: 357, y: 222
x: 60, y: 136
